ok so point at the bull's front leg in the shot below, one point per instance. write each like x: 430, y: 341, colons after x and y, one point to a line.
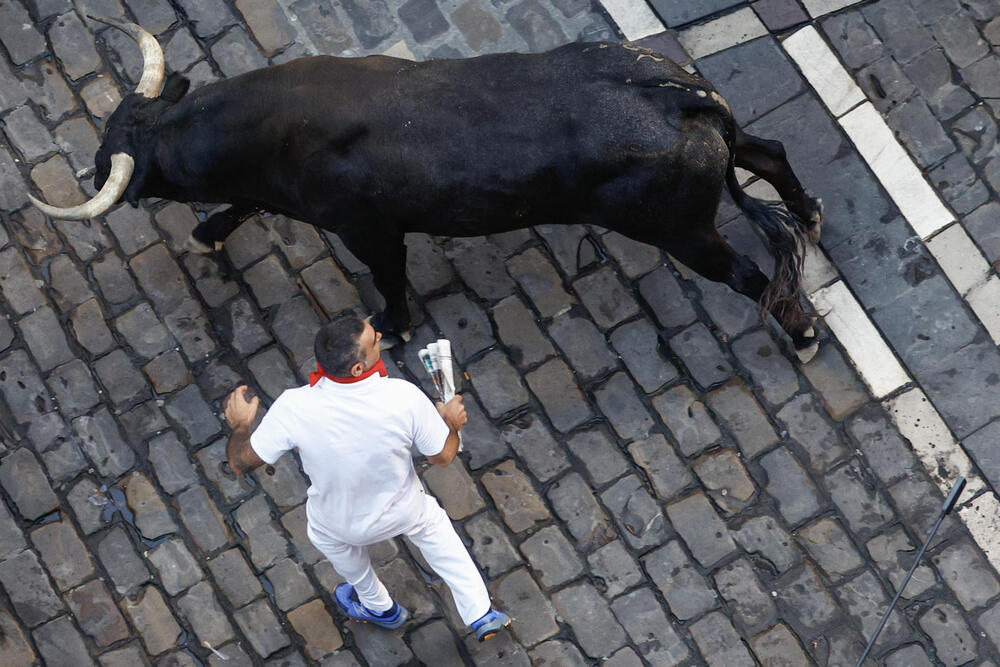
x: 385, y: 254
x: 208, y: 236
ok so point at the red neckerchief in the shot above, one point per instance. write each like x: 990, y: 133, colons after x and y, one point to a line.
x: 315, y: 376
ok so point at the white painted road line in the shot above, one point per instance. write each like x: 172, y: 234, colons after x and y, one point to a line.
x: 822, y: 69
x: 982, y: 518
x: 901, y: 178
x: 720, y: 34
x: 985, y: 303
x: 932, y: 441
x: 817, y: 8
x: 959, y: 258
x: 634, y: 18
x: 872, y: 358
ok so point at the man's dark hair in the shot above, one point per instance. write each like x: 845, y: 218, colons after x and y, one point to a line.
x: 337, y: 347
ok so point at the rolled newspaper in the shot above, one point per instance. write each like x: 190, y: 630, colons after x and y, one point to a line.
x: 436, y: 359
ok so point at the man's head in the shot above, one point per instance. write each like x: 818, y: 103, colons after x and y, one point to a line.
x: 347, y: 347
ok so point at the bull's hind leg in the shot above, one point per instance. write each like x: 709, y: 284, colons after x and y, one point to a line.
x: 767, y: 159
x: 710, y: 255
x: 385, y: 254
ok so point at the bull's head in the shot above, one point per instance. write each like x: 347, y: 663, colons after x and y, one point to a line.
x: 115, y: 163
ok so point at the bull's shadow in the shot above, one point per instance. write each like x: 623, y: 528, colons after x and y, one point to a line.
x: 372, y: 148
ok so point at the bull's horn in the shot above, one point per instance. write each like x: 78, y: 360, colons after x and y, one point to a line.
x: 151, y: 82
x: 122, y: 165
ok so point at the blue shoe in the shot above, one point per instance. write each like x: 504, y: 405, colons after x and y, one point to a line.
x: 491, y: 623
x: 347, y: 600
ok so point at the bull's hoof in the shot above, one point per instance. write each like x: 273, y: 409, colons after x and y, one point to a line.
x: 806, y: 353
x: 194, y: 245
x: 815, y: 222
x: 391, y: 340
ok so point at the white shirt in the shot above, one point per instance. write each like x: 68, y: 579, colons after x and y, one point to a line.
x: 356, y: 444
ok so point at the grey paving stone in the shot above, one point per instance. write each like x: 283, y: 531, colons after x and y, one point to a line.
x: 704, y: 533
x: 931, y: 73
x: 463, y: 323
x: 372, y: 22
x: 864, y: 599
x: 24, y: 481
x: 918, y: 502
x: 234, y: 578
x: 117, y: 555
x: 64, y: 555
x: 700, y: 353
x: 778, y: 645
x: 454, y: 489
x: 271, y: 371
x: 380, y: 647
x: 200, y: 607
x: 764, y: 538
x: 236, y: 53
x: 920, y: 132
x: 532, y: 441
x: 27, y: 134
x: 45, y: 338
x: 535, y: 24
x: 283, y: 482
x: 613, y: 570
x: 637, y: 514
x: 887, y: 454
x: 981, y: 224
x: 73, y: 46
x: 958, y: 183
x: 15, y: 645
x: 151, y: 616
x: 268, y: 23
x: 73, y: 388
x: 291, y: 587
x: 900, y: 29
x: 96, y: 612
x: 910, y: 656
x: 263, y: 539
x: 780, y: 14
x: 533, y: 617
x: 741, y: 413
x: 433, y: 644
x: 665, y: 297
x: 152, y: 517
x: 64, y: 461
x: 982, y: 446
x: 622, y: 407
x: 294, y: 523
x: 194, y: 417
x: 719, y: 643
x: 967, y: 574
x: 582, y: 516
x: 685, y: 590
x: 596, y: 629
x: 330, y: 287
x: 89, y: 327
x: 605, y: 298
x: 859, y: 501
x: 22, y: 388
x: 976, y: 133
x: 583, y: 345
x: 269, y: 282
x: 540, y: 282
x: 17, y: 284
x: 11, y: 537
x: 556, y: 652
x: 771, y: 371
x: 497, y: 384
x: 59, y: 643
x: 552, y: 557
x: 600, y: 456
x: 423, y: 18
x: 142, y: 421
x: 427, y: 269
x: 115, y: 282
x: 838, y: 385
x: 634, y: 258
x: 678, y: 12
x: 168, y: 372
x: 295, y: 325
x: 726, y: 480
x: 480, y: 438
x: 85, y: 498
x: 177, y: 568
x: 753, y: 608
x: 490, y: 547
x: 640, y: 348
x: 46, y: 429
x: 754, y: 77
x: 19, y: 36
x: 830, y: 547
x: 314, y: 624
x: 790, y: 485
x: 132, y: 228
x: 804, y: 602
x: 160, y: 278
x: 554, y: 386
x: 953, y: 643
x: 989, y: 620
x: 69, y: 288
x: 893, y: 554
x: 517, y: 329
x: 687, y: 418
x: 28, y: 588
x: 120, y: 378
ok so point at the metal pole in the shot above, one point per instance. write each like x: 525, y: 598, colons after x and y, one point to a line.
x: 946, y: 507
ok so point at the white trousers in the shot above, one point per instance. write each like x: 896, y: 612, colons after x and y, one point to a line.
x: 431, y: 531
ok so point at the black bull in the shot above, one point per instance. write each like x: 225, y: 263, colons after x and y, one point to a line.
x: 372, y: 148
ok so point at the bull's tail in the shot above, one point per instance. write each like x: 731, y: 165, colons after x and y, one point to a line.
x: 785, y: 238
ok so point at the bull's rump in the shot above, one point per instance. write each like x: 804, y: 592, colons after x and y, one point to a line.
x: 520, y: 137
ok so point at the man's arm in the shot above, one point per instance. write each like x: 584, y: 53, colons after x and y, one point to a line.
x: 453, y: 413
x: 240, y: 414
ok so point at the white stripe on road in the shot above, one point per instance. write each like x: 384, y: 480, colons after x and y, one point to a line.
x: 721, y: 33
x: 634, y: 18
x: 822, y: 69
x: 817, y: 8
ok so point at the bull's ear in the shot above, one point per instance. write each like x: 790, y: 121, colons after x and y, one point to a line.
x: 174, y: 88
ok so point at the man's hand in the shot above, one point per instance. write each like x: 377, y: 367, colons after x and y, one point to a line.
x: 453, y: 413
x: 240, y: 412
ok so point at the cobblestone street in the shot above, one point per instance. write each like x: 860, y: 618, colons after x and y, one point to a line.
x: 648, y: 476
